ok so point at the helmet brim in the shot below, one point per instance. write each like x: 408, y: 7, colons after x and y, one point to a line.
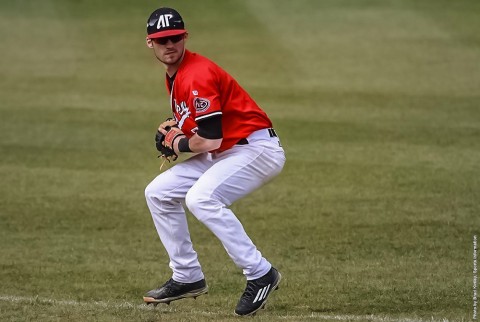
x: 167, y: 33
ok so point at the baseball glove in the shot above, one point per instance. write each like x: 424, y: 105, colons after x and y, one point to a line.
x: 172, y: 134
x: 165, y: 152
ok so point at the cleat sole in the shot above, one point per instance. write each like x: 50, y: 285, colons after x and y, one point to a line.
x: 194, y: 294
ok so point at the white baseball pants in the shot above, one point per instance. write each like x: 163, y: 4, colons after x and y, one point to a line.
x: 209, y: 183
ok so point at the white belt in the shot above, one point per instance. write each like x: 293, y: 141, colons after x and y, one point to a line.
x: 263, y: 134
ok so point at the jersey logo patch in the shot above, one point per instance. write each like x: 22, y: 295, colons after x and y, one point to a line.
x: 201, y: 104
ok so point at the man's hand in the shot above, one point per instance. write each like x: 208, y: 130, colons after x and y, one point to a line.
x: 165, y: 152
x: 173, y: 134
x: 165, y: 126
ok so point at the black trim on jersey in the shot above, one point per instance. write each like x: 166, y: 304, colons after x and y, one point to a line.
x: 170, y: 81
x: 211, y: 127
x: 206, y: 116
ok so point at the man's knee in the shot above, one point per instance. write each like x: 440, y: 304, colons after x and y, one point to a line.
x: 151, y: 191
x: 201, y: 205
x: 160, y: 199
x: 193, y: 202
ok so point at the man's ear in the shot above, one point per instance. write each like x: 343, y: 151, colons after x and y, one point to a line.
x: 149, y: 43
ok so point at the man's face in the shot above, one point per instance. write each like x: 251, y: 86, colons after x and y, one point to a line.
x: 169, y: 50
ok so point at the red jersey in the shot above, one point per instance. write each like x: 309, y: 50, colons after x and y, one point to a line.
x: 202, y: 89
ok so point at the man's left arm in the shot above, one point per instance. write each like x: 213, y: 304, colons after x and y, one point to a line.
x: 208, y: 137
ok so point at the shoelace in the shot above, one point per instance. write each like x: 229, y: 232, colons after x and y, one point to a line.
x: 166, y: 283
x: 249, y: 292
x: 169, y: 287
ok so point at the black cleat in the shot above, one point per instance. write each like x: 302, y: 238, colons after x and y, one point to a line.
x: 172, y: 291
x: 256, y: 293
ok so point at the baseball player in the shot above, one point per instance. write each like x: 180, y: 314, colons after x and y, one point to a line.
x: 235, y: 151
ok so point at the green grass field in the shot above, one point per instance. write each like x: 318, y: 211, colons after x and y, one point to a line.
x: 377, y: 104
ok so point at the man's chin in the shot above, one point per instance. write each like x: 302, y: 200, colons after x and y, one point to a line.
x: 169, y: 61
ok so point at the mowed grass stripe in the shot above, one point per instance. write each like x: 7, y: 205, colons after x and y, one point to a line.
x: 124, y: 305
x: 417, y: 49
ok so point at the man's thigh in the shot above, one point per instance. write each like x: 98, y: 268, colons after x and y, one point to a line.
x: 175, y: 182
x: 239, y: 171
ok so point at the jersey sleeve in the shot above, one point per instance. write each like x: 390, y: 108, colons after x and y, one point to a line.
x: 205, y: 95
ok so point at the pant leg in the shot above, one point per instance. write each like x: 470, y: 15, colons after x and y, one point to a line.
x: 164, y: 197
x: 236, y: 173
